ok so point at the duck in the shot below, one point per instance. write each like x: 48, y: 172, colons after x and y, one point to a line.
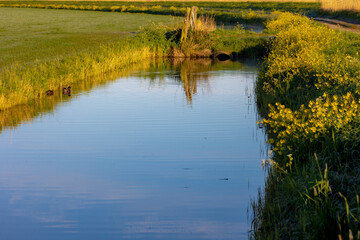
x: 49, y: 92
x: 67, y: 91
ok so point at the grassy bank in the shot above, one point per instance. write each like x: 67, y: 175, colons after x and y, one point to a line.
x: 22, y: 82
x: 309, y: 94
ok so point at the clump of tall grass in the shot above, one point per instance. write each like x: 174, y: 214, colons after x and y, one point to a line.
x: 206, y: 23
x: 194, y: 32
x: 339, y: 5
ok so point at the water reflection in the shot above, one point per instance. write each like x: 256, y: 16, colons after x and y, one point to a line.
x: 12, y: 117
x: 187, y: 73
x: 192, y: 75
x: 169, y: 151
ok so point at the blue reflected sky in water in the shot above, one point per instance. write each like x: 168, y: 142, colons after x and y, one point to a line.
x: 134, y: 160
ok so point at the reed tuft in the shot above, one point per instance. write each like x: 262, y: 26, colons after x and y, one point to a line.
x: 340, y: 5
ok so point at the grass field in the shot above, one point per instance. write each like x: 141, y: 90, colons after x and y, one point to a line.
x: 29, y: 35
x: 253, y: 12
x: 232, y: 6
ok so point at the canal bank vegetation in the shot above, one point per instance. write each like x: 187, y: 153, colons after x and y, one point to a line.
x: 309, y: 93
x: 21, y: 83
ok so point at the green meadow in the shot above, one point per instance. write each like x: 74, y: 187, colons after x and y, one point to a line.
x: 233, y: 6
x: 36, y: 35
x: 225, y: 11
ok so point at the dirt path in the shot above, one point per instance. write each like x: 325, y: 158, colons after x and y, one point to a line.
x: 339, y: 25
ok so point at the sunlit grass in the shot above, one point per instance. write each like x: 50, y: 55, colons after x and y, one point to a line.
x: 35, y: 35
x: 236, y: 14
x: 19, y: 84
x: 337, y: 5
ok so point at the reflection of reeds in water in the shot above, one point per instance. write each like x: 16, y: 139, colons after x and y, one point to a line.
x: 193, y: 73
x: 12, y: 117
x: 187, y: 73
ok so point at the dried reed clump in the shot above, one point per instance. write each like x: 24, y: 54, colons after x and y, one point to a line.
x: 206, y: 24
x: 195, y: 25
x: 195, y: 31
x: 336, y: 5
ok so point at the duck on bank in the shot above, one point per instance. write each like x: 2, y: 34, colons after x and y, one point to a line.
x: 67, y: 91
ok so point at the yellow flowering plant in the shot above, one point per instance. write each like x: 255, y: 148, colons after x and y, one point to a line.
x: 305, y: 61
x: 298, y: 132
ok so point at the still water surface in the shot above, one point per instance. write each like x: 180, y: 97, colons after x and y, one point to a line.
x: 171, y: 151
